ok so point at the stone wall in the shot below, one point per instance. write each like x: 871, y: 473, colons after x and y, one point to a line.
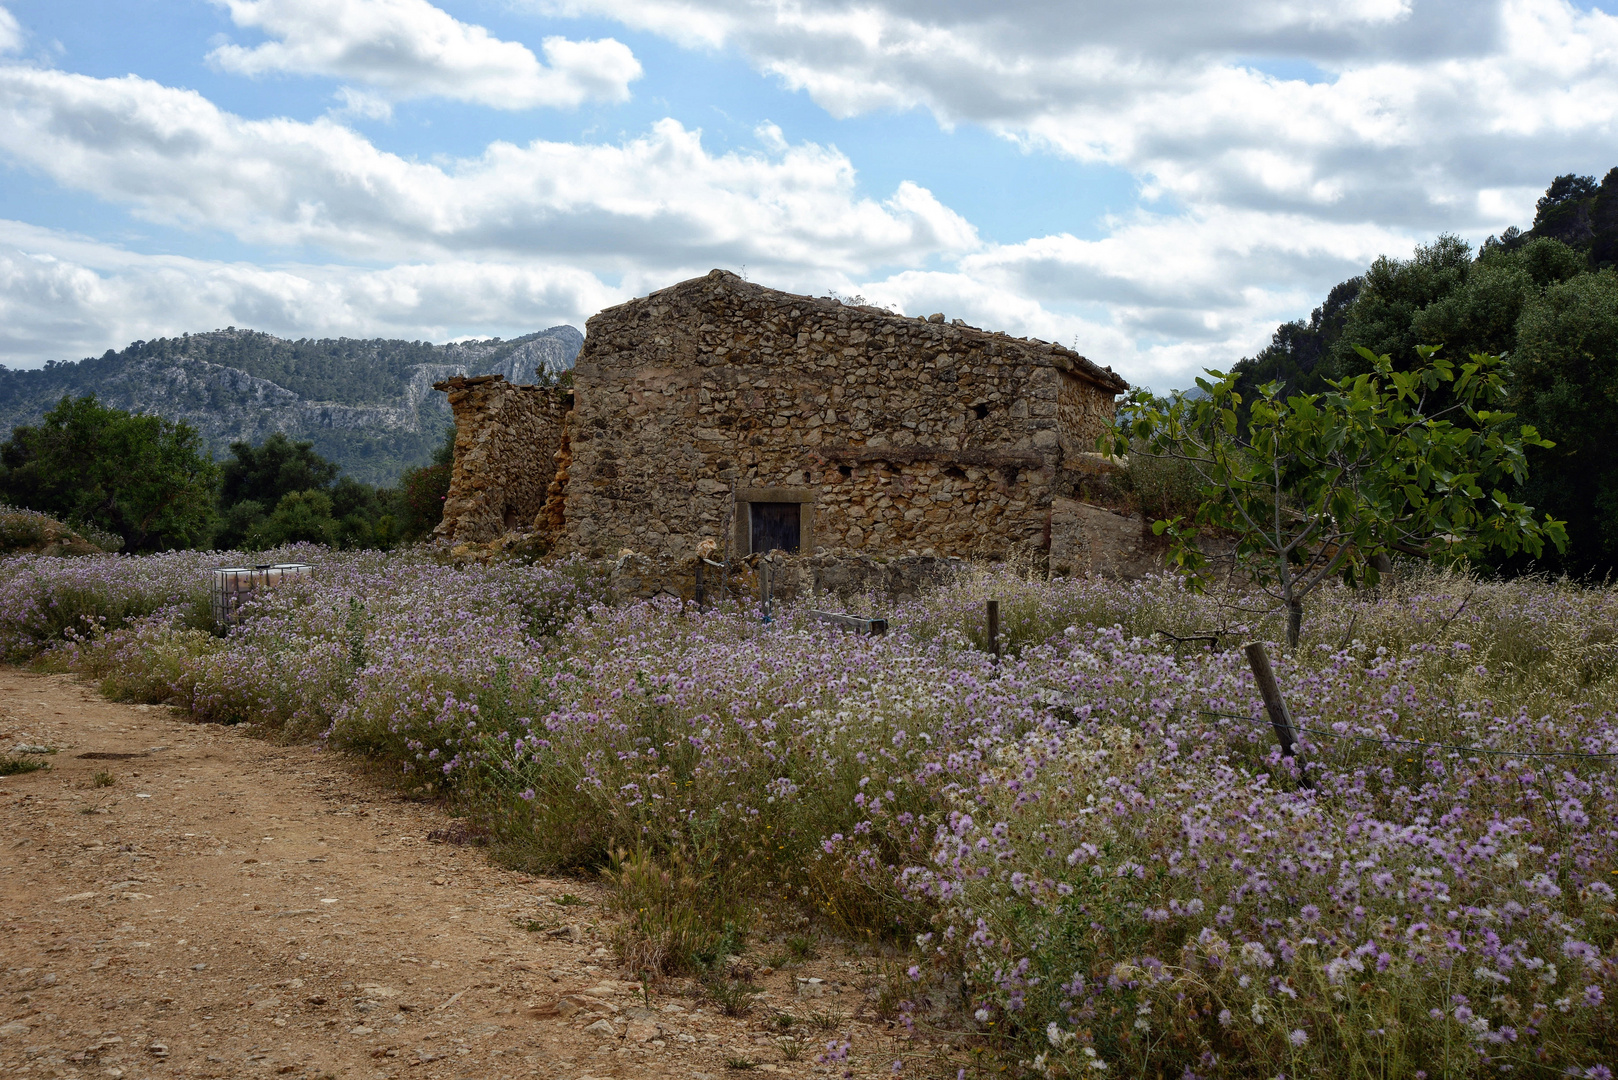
x: 1082, y: 416
x: 1095, y: 540
x: 829, y: 579
x: 506, y: 441
x: 893, y: 434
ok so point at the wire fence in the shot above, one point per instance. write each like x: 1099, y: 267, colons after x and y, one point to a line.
x: 1386, y: 740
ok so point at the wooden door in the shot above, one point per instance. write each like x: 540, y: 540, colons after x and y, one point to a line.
x: 775, y: 525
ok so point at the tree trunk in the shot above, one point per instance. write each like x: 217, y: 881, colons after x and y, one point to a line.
x: 1294, y: 622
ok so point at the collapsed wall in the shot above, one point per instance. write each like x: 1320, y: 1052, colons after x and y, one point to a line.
x: 506, y: 440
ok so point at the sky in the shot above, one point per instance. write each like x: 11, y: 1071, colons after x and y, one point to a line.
x: 1157, y: 183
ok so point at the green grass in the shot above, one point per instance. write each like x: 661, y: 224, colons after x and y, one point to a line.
x: 732, y: 996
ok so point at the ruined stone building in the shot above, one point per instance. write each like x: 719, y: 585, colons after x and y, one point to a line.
x: 717, y: 409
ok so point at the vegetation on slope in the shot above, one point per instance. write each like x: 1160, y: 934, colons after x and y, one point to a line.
x: 364, y: 404
x: 148, y: 483
x: 1546, y: 299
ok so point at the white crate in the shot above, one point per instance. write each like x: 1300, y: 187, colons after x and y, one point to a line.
x: 233, y: 585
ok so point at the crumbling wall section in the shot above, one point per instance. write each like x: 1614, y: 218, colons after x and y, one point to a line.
x: 902, y: 434
x: 552, y: 519
x: 506, y: 440
x: 1082, y: 415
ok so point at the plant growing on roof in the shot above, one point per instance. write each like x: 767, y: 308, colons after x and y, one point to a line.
x: 1316, y: 486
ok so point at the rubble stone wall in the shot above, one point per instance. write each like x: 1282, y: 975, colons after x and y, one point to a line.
x: 831, y: 579
x: 1082, y: 416
x: 506, y: 439
x: 894, y: 434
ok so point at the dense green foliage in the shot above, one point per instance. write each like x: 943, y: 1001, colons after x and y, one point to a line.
x: 276, y: 468
x: 1317, y: 486
x: 145, y: 484
x: 423, y: 491
x: 282, y: 492
x: 1546, y: 299
x: 144, y: 478
x: 1566, y: 381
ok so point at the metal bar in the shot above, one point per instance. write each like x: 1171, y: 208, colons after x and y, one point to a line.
x: 873, y: 627
x: 1274, y: 704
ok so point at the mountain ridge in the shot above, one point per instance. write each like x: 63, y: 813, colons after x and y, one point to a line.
x: 366, y: 403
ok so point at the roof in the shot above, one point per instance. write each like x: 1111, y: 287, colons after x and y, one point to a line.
x: 1059, y: 356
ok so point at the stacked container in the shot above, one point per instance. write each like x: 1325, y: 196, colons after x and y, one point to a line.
x: 234, y: 585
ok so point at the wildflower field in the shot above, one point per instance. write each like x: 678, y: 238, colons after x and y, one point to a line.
x: 1088, y: 858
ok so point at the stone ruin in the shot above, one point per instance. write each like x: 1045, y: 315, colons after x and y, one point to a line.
x: 506, y: 439
x: 719, y: 410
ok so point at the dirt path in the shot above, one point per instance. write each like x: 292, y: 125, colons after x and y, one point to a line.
x: 226, y: 907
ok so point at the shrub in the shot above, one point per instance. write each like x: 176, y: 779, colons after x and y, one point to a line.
x: 20, y: 528
x: 45, y: 598
x: 424, y: 491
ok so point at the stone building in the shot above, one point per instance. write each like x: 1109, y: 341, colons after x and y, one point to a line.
x: 719, y: 409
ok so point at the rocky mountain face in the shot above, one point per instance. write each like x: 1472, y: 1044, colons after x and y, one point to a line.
x: 368, y: 405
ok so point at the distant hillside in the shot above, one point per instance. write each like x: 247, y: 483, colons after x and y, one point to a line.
x: 367, y: 405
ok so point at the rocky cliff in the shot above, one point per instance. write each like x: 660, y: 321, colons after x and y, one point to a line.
x: 368, y: 405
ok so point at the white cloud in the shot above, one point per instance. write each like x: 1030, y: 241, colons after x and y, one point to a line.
x: 1420, y: 105
x: 409, y: 48
x: 1419, y: 115
x: 362, y: 104
x: 65, y: 296
x: 657, y: 201
x: 1159, y: 297
x: 10, y: 32
x: 1391, y: 120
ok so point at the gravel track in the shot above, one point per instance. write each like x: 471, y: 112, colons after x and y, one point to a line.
x: 229, y: 907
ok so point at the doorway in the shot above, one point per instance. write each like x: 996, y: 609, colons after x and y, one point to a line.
x: 776, y: 525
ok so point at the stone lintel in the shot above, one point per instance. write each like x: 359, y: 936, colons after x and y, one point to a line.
x: 777, y: 494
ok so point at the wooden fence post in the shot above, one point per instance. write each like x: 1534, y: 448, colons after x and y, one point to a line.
x: 764, y: 585
x: 994, y: 629
x: 1280, y: 718
x: 699, y: 589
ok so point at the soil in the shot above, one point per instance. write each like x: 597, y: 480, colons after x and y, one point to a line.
x: 182, y: 899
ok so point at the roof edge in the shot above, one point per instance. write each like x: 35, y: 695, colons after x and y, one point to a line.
x: 1061, y: 356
